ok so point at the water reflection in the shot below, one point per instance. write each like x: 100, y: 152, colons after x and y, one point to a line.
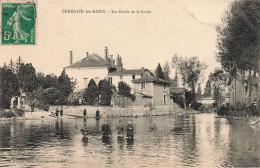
x: 182, y: 140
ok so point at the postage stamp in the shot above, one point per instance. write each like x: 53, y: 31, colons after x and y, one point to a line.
x: 18, y: 23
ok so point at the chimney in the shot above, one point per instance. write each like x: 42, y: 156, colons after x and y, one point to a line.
x: 106, y: 52
x: 87, y: 55
x: 71, y: 58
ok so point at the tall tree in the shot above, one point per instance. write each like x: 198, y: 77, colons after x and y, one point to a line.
x: 105, y: 92
x: 191, y: 71
x: 91, y: 93
x: 238, y: 39
x: 10, y: 86
x: 238, y: 36
x: 166, y: 71
x: 159, y: 72
x: 27, y: 78
x: 64, y: 84
x: 218, y: 79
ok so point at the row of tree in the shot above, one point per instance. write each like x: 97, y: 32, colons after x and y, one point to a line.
x: 103, y: 92
x: 17, y: 78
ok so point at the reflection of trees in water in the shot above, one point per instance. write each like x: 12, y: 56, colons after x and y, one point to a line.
x: 33, y: 133
x: 244, y: 144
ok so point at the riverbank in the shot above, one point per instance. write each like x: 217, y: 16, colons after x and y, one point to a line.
x: 105, y: 111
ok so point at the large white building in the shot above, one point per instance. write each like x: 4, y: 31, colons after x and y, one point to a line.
x: 95, y: 67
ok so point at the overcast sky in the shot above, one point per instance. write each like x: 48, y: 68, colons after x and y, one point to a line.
x: 183, y: 27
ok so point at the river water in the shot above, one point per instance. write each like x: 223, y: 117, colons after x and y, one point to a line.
x: 197, y: 140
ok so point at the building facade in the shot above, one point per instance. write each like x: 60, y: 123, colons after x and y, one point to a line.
x: 152, y: 91
x: 95, y: 67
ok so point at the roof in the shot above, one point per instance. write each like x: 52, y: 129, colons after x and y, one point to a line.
x: 177, y: 90
x: 93, y: 60
x: 150, y: 79
x: 127, y: 72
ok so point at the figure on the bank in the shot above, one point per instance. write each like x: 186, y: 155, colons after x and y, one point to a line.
x: 61, y: 112
x: 97, y: 114
x: 130, y: 130
x: 85, y: 113
x: 105, y: 129
x: 120, y: 129
x: 57, y: 112
x: 32, y: 107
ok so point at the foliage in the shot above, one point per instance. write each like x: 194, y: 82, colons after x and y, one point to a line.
x: 217, y: 80
x: 91, y: 93
x: 27, y: 78
x: 207, y: 90
x: 10, y: 86
x: 178, y: 99
x: 238, y: 36
x: 125, y: 90
x: 190, y: 69
x: 159, y: 72
x: 65, y: 86
x: 105, y: 91
x: 166, y: 71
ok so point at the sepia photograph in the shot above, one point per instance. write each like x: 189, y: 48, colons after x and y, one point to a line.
x: 131, y: 83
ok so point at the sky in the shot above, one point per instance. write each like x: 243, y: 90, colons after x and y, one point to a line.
x: 182, y: 27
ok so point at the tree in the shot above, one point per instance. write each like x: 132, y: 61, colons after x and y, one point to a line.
x: 49, y: 81
x: 166, y: 71
x: 91, y: 93
x: 65, y: 86
x: 159, y: 72
x: 191, y: 71
x: 105, y: 91
x: 238, y: 36
x: 238, y: 39
x: 10, y: 86
x: 218, y: 79
x: 27, y: 78
x: 125, y: 90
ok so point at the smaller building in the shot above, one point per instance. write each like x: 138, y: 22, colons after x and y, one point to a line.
x: 151, y: 91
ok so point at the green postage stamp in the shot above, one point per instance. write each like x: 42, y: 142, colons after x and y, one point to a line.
x: 18, y: 23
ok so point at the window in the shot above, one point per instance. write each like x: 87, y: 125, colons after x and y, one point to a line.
x: 142, y: 85
x: 110, y: 80
x: 85, y: 82
x: 133, y: 76
x: 164, y: 99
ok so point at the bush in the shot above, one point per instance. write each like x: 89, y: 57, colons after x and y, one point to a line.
x: 196, y: 105
x: 5, y: 114
x: 44, y: 107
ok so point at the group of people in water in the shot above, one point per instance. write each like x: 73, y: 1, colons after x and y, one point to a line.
x: 106, y: 130
x: 120, y: 130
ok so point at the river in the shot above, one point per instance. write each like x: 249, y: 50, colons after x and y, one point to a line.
x: 196, y: 140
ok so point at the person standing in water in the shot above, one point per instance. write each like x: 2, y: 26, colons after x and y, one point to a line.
x: 130, y: 130
x: 105, y: 129
x: 120, y: 129
x: 61, y: 111
x: 85, y: 113
x: 57, y: 112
